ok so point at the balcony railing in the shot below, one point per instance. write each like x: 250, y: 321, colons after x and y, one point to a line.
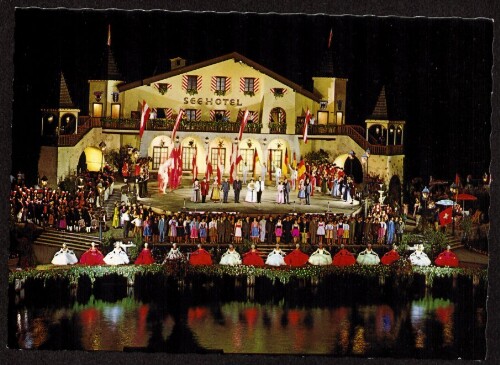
x: 277, y: 128
x: 354, y: 132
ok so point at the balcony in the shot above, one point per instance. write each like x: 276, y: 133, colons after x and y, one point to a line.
x: 277, y: 128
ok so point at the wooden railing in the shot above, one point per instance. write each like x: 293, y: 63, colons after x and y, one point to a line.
x: 352, y: 131
x: 85, y: 124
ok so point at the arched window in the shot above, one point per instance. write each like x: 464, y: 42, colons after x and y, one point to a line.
x: 277, y: 115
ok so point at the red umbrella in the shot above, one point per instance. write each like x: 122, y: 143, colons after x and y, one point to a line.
x: 465, y: 197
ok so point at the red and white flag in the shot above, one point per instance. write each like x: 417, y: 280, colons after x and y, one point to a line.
x: 195, y: 166
x: 244, y: 121
x: 177, y: 122
x: 208, y: 171
x: 144, y: 117
x: 446, y: 216
x: 235, y: 160
x: 109, y: 35
x: 306, y: 125
x: 220, y: 167
x: 330, y: 38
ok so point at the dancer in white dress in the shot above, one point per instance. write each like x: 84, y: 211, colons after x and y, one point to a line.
x: 368, y: 257
x: 320, y: 257
x: 419, y: 257
x: 275, y: 257
x: 64, y: 257
x: 117, y: 256
x: 173, y: 254
x: 231, y: 257
x: 251, y: 196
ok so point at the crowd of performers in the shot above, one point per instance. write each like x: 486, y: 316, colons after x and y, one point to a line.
x: 277, y: 257
x: 63, y: 209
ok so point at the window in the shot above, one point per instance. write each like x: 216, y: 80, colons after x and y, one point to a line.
x: 213, y: 157
x: 190, y: 115
x: 220, y: 83
x: 192, y: 82
x: 278, y: 115
x: 97, y: 110
x: 247, y: 157
x: 323, y: 104
x: 115, y: 111
x: 187, y: 158
x: 276, y: 157
x: 322, y: 117
x: 160, y: 154
x: 249, y: 84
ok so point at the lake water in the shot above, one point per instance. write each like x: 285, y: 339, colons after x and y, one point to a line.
x: 340, y: 319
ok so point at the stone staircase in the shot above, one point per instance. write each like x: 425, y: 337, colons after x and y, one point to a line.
x: 453, y: 241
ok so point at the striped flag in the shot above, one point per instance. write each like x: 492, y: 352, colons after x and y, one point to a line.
x: 208, y: 171
x: 219, y: 167
x: 294, y: 161
x: 235, y: 160
x: 270, y: 164
x: 144, y: 117
x: 177, y: 122
x: 194, y: 165
x: 301, y: 169
x: 243, y: 123
x: 284, y: 170
x: 330, y: 38
x: 306, y: 125
x: 255, y: 160
x: 109, y: 35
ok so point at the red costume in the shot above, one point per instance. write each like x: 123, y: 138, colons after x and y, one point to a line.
x: 200, y: 257
x: 390, y: 257
x: 344, y: 258
x: 145, y: 257
x: 252, y: 258
x: 204, y: 187
x: 92, y: 257
x: 447, y: 258
x: 296, y: 258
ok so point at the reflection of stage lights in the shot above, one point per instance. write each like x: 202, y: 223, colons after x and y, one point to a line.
x: 113, y: 314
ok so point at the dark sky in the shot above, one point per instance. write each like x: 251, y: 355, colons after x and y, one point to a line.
x: 437, y: 72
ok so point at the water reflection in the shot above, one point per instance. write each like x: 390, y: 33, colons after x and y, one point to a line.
x: 427, y: 325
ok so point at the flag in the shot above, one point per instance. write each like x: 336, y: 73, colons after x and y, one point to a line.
x: 208, y: 164
x: 284, y: 170
x: 330, y: 38
x: 457, y: 180
x: 144, y: 117
x: 270, y: 164
x: 109, y: 35
x: 194, y: 165
x: 446, y: 216
x: 306, y: 124
x: 301, y: 169
x: 219, y: 167
x: 255, y: 160
x: 232, y: 171
x: 294, y: 162
x: 244, y: 121
x: 177, y: 122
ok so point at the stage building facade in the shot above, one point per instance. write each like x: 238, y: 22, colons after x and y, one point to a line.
x: 213, y: 96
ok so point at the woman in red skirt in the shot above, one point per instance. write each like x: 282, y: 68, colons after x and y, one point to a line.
x: 200, y: 257
x: 252, y: 258
x: 391, y: 256
x: 447, y: 258
x: 92, y: 256
x: 145, y: 257
x: 296, y: 257
x: 343, y: 258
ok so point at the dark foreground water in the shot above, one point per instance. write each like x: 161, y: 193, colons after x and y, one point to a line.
x: 338, y: 319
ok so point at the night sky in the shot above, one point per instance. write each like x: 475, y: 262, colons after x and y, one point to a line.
x: 436, y: 72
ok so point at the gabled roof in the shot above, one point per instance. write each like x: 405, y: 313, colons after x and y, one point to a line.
x: 237, y: 57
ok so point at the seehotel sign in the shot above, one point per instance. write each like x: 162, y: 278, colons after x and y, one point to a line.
x: 212, y: 101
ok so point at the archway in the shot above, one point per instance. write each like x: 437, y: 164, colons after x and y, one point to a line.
x: 394, y: 191
x: 351, y: 167
x: 82, y: 164
x: 94, y: 159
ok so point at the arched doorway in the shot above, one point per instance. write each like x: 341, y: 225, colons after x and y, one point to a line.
x: 82, y: 164
x: 351, y: 167
x: 94, y: 159
x: 394, y: 192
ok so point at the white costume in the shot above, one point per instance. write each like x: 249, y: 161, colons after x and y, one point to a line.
x: 275, y: 258
x: 64, y: 257
x: 117, y: 256
x: 277, y: 174
x: 231, y: 258
x: 368, y: 257
x: 419, y: 258
x: 174, y: 254
x: 320, y: 257
x: 251, y: 196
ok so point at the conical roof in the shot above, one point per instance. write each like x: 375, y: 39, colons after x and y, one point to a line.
x: 64, y: 96
x: 380, y: 110
x: 112, y: 72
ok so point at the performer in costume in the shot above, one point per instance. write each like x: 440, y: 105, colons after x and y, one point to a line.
x: 200, y: 257
x: 320, y: 257
x: 254, y: 231
x: 92, y: 256
x: 344, y: 258
x: 64, y: 256
x: 447, y: 258
x: 215, y: 196
x: 117, y: 257
x: 275, y: 257
x: 391, y: 256
x: 116, y: 216
x: 231, y: 257
x: 252, y: 257
x: 419, y: 257
x: 196, y: 191
x: 145, y: 257
x: 173, y: 255
x: 251, y: 195
x: 368, y: 257
x: 296, y: 257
